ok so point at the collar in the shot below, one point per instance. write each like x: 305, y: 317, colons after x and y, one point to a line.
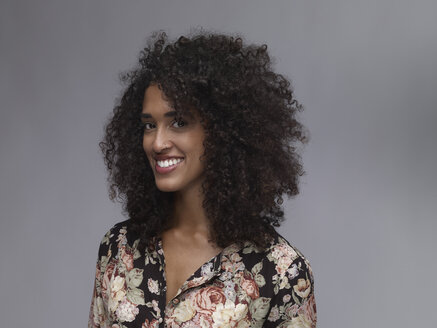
x: 206, y: 272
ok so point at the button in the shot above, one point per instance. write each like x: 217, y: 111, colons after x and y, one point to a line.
x: 175, y: 301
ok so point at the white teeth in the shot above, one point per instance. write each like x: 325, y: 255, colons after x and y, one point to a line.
x: 170, y: 162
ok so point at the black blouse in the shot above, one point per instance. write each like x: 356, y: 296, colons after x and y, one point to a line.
x: 240, y: 287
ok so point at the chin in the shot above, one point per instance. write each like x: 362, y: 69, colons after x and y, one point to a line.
x: 167, y: 187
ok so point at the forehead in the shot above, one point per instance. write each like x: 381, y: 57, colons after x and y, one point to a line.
x: 156, y: 104
x: 155, y: 98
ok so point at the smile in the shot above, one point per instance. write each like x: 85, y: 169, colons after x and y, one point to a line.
x: 167, y: 166
x: 170, y: 162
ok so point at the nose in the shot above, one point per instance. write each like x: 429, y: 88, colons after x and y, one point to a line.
x: 161, y: 140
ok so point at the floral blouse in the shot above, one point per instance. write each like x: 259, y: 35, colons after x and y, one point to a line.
x: 240, y: 287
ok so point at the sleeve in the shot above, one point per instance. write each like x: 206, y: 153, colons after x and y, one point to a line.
x: 98, y: 316
x: 294, y: 303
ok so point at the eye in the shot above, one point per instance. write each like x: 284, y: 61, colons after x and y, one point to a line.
x: 145, y: 125
x: 180, y: 122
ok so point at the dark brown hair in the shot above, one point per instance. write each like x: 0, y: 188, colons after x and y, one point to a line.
x: 249, y: 114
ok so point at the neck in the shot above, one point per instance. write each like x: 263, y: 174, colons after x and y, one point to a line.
x: 188, y: 213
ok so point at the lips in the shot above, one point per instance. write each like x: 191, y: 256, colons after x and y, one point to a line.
x: 164, y: 170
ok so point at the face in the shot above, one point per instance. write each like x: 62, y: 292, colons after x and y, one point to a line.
x: 172, y: 147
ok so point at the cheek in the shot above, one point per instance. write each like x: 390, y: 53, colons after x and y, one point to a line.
x: 146, y: 145
x: 196, y: 150
x: 198, y: 143
x: 147, y: 150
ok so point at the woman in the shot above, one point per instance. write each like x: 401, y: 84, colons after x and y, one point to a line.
x: 200, y: 150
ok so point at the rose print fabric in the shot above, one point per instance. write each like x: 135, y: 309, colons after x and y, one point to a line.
x: 240, y: 287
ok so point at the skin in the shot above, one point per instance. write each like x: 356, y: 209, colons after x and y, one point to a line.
x: 164, y: 136
x: 185, y: 243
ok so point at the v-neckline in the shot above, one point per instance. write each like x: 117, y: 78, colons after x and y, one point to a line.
x: 202, y: 278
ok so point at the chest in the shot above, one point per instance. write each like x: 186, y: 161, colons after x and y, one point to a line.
x: 181, y: 261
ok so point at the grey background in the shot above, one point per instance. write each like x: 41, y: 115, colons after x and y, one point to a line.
x: 366, y: 72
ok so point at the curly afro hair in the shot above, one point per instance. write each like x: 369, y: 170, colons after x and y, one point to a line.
x: 249, y: 115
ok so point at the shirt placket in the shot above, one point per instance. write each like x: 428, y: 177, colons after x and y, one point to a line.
x: 162, y: 306
x: 196, y: 280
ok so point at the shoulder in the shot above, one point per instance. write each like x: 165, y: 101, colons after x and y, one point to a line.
x: 114, y: 238
x: 282, y: 248
x: 279, y: 269
x: 290, y: 267
x: 279, y: 258
x: 117, y: 228
x: 283, y: 252
x: 279, y: 249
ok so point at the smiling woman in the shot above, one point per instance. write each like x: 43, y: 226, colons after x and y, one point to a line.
x: 201, y: 149
x: 167, y: 139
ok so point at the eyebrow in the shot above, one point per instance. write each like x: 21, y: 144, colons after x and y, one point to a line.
x: 167, y: 114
